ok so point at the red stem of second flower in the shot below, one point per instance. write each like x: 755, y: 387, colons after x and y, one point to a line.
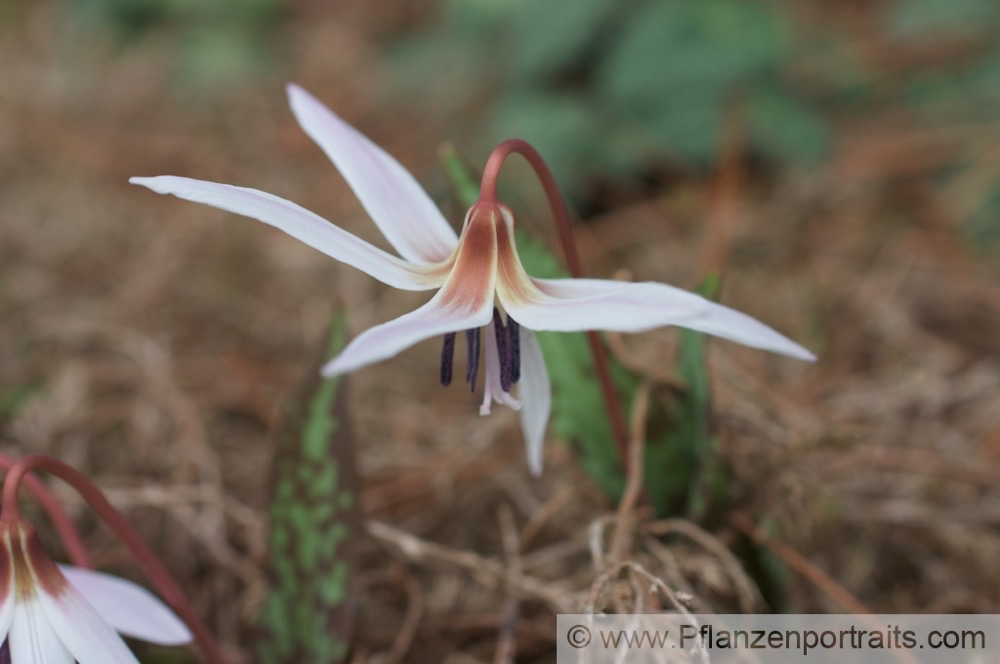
x: 70, y: 538
x: 154, y: 569
x: 488, y: 194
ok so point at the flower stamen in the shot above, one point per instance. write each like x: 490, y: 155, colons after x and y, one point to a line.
x: 447, y: 355
x: 508, y: 349
x: 472, y: 338
x: 514, y: 334
x: 503, y: 350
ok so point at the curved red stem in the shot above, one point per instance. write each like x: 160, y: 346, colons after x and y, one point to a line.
x: 488, y: 195
x: 68, y: 535
x: 154, y: 569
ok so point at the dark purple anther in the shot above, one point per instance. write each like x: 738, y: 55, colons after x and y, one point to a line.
x: 514, y: 333
x: 472, y: 364
x: 5, y: 653
x: 503, y: 350
x: 447, y: 355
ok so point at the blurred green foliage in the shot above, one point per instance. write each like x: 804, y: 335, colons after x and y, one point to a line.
x: 213, y: 42
x: 613, y: 91
x: 607, y: 86
x: 984, y: 222
x: 618, y: 90
x: 161, y: 655
x: 906, y: 18
x: 959, y: 91
x: 13, y: 399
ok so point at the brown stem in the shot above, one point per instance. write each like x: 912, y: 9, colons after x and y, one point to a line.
x: 488, y: 194
x: 154, y: 569
x: 823, y: 581
x: 799, y: 563
x: 633, y: 482
x: 70, y: 538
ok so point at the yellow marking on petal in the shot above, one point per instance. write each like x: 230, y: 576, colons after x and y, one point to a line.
x: 435, y: 274
x: 513, y: 282
x: 6, y: 563
x: 32, y: 568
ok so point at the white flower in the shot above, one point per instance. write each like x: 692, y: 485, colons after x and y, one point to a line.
x: 58, y: 615
x: 482, y: 287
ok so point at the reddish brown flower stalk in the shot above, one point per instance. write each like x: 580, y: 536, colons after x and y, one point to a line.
x: 159, y: 576
x: 488, y: 194
x: 70, y: 538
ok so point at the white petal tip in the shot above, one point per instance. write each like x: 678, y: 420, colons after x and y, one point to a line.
x: 295, y: 91
x: 799, y: 353
x: 484, y: 409
x: 302, y: 102
x: 159, y: 183
x: 120, y: 604
x: 535, y: 451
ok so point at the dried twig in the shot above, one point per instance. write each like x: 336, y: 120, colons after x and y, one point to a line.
x: 633, y: 483
x: 489, y: 572
x: 542, y: 515
x: 746, y: 590
x: 411, y: 620
x: 507, y: 642
x: 654, y: 582
x: 798, y: 562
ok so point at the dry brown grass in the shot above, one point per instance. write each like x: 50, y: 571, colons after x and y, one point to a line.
x: 157, y: 342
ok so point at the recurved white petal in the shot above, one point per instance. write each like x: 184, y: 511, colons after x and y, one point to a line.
x: 567, y: 305
x: 465, y: 301
x: 303, y: 225
x: 536, y: 399
x: 85, y: 634
x: 129, y: 608
x: 394, y: 200
x: 596, y: 304
x: 32, y: 639
x: 389, y: 339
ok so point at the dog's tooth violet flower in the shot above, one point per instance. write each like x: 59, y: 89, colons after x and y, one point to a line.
x: 483, y: 290
x: 58, y: 615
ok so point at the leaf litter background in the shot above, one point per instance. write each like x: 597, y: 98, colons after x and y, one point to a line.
x: 840, y: 165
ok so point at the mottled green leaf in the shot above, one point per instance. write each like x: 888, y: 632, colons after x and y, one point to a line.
x: 309, y: 614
